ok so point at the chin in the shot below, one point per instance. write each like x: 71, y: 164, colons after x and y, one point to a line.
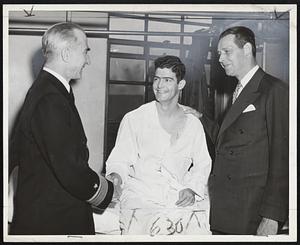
x: 157, y: 98
x: 161, y: 99
x: 229, y: 74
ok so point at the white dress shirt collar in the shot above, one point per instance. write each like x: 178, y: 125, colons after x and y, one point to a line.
x: 246, y: 79
x: 248, y: 76
x: 59, y: 77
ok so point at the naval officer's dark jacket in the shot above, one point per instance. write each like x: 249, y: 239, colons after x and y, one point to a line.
x: 56, y: 187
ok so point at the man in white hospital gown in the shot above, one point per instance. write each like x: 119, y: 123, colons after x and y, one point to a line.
x: 160, y: 163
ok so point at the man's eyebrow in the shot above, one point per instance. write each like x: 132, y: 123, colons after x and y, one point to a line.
x: 224, y: 49
x: 165, y: 77
x: 228, y: 47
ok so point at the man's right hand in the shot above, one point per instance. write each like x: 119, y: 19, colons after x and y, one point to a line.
x: 190, y: 110
x: 117, y: 181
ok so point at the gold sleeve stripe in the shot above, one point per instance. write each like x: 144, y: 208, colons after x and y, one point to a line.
x: 101, y: 192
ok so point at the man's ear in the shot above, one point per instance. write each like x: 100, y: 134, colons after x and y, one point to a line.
x: 65, y: 54
x: 181, y: 84
x: 248, y: 49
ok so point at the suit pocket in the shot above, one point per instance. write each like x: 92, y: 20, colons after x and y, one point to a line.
x: 252, y: 122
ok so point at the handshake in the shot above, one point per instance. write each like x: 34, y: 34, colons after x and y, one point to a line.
x: 117, y: 181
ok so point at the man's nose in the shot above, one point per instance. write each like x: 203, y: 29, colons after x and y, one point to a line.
x: 159, y: 83
x: 221, y: 58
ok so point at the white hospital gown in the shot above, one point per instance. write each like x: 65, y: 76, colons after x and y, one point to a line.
x: 154, y: 170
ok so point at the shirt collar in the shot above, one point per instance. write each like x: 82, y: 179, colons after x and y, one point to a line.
x: 248, y: 76
x: 59, y: 77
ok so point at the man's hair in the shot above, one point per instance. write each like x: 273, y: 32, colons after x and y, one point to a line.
x: 59, y: 35
x: 242, y: 35
x: 173, y: 63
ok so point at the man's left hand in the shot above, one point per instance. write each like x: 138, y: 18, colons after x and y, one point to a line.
x: 186, y: 198
x: 267, y: 227
x: 189, y: 110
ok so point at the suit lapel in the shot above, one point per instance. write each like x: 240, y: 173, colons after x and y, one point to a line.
x: 248, y: 95
x: 61, y: 88
x: 57, y: 84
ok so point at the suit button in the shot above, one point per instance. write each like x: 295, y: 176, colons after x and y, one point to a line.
x: 229, y: 177
x: 231, y: 152
x: 217, y: 152
x: 241, y: 131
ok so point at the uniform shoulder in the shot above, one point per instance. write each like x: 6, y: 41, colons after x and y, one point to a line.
x: 42, y: 87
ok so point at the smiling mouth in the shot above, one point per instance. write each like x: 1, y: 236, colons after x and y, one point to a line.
x: 160, y: 92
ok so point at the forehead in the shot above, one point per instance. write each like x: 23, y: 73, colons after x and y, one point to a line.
x: 164, y: 72
x: 227, y: 41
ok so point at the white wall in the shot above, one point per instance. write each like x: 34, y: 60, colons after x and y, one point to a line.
x: 25, y: 61
x: 23, y: 50
x: 90, y: 100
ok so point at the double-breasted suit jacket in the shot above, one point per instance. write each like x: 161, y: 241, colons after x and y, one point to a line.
x: 250, y: 174
x: 54, y: 179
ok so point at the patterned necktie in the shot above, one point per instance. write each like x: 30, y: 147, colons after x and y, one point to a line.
x: 236, y: 92
x: 71, y: 94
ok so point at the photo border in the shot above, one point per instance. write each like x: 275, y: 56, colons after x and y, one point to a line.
x: 292, y: 8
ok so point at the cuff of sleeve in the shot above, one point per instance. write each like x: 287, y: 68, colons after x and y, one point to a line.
x: 104, y: 193
x: 274, y: 213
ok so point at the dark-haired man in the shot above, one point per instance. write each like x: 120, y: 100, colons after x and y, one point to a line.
x: 250, y: 176
x: 160, y: 163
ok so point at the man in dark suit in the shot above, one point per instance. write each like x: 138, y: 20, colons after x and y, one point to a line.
x: 249, y: 180
x: 56, y: 187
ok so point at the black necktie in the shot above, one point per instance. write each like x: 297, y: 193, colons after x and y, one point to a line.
x: 71, y: 95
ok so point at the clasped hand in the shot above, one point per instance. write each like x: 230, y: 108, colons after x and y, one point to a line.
x: 186, y: 198
x: 189, y: 110
x: 117, y: 181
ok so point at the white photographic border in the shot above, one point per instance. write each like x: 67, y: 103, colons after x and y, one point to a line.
x: 292, y: 8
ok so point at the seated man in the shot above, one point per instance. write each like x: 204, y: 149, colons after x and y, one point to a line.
x: 160, y: 163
